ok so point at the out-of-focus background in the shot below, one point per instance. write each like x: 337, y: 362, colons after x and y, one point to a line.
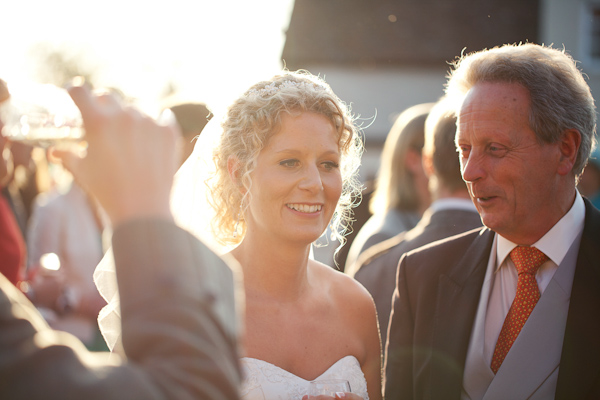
x: 203, y: 50
x: 380, y: 56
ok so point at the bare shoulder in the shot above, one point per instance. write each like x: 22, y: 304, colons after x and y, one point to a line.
x: 342, y: 287
x: 355, y: 309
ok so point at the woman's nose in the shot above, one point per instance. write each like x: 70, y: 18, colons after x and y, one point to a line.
x: 311, y: 179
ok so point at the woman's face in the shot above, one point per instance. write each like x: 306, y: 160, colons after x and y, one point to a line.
x: 297, y: 181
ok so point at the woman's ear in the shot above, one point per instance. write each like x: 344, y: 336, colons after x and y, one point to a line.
x: 233, y: 168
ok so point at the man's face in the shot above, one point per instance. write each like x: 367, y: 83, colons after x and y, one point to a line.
x: 512, y: 178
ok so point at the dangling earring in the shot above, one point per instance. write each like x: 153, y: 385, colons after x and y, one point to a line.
x: 237, y: 222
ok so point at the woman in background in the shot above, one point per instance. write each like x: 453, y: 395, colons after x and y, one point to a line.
x: 401, y: 193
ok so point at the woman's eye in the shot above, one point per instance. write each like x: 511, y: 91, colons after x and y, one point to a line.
x: 331, y: 165
x: 289, y: 163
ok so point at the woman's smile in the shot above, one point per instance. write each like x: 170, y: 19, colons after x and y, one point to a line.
x: 305, y: 208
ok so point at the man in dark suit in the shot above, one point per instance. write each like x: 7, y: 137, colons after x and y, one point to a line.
x: 178, y: 317
x: 451, y: 212
x: 512, y: 310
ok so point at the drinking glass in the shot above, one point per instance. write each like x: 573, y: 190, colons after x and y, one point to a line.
x: 41, y: 115
x: 328, y: 387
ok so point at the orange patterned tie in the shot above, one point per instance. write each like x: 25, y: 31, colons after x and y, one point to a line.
x: 527, y: 260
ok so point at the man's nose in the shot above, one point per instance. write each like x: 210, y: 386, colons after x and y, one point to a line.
x: 472, y: 167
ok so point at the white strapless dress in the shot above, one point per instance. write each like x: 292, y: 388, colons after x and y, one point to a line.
x: 278, y: 384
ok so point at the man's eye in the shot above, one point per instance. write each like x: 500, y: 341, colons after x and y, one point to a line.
x: 463, y: 151
x: 496, y: 150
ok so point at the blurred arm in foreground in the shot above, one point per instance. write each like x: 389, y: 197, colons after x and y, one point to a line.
x: 177, y: 301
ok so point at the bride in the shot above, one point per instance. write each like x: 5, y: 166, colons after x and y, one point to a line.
x: 285, y: 164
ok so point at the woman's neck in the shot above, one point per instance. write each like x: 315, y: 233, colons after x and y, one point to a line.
x: 278, y: 271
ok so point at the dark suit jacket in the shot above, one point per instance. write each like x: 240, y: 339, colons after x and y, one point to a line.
x: 178, y: 331
x: 434, y: 306
x: 377, y: 266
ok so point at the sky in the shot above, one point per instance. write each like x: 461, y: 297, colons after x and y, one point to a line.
x: 210, y: 51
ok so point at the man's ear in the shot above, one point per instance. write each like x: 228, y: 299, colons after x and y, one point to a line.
x: 413, y: 161
x: 427, y: 162
x: 233, y: 168
x: 568, y: 146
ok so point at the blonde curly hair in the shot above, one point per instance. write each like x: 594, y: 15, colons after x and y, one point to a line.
x: 249, y: 124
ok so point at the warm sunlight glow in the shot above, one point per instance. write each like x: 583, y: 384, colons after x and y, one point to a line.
x: 206, y: 50
x: 50, y: 261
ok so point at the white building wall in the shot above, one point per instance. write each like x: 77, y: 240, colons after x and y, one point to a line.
x: 378, y: 96
x: 568, y: 23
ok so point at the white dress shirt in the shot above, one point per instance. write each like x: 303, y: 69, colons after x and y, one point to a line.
x: 554, y: 244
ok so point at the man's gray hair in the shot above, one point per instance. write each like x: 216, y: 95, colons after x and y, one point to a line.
x: 560, y: 97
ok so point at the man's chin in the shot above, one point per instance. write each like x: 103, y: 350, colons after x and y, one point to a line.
x: 491, y: 221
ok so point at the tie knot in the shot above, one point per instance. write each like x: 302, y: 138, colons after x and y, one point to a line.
x: 527, y: 259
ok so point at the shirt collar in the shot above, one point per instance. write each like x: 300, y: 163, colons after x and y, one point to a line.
x: 557, y: 241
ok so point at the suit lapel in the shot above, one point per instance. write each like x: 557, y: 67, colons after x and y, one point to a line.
x: 536, y: 353
x: 457, y: 299
x: 580, y: 362
x: 478, y: 374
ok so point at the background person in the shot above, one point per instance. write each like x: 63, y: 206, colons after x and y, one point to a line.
x: 401, y: 193
x: 191, y: 118
x: 589, y: 182
x: 13, y: 254
x: 450, y: 213
x: 68, y: 223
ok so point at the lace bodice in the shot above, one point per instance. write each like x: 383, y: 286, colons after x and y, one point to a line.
x: 279, y: 384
